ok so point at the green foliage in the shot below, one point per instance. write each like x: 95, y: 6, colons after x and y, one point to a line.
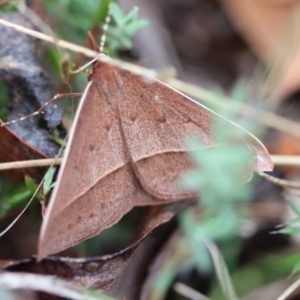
x: 293, y: 226
x: 13, y: 199
x: 55, y: 136
x: 122, y: 29
x: 15, y: 195
x: 12, y: 195
x: 48, y: 183
x: 10, y: 7
x: 54, y: 60
x: 270, y: 268
x: 218, y: 177
x: 30, y: 184
x: 75, y: 18
x: 3, y: 101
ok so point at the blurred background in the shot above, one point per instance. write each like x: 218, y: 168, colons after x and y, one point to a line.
x: 244, y: 52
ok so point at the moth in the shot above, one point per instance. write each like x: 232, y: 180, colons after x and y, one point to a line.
x: 126, y: 148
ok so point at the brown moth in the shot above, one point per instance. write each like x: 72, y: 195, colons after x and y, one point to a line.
x: 126, y: 148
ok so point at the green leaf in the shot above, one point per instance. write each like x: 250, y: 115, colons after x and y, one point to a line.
x: 117, y: 14
x: 30, y: 184
x: 3, y: 101
x: 131, y: 16
x: 125, y: 42
x: 290, y: 230
x: 121, y: 31
x: 101, y: 11
x: 54, y: 59
x: 296, y: 269
x: 132, y: 29
x: 11, y: 200
x: 55, y: 136
x: 296, y: 207
x: 47, y: 185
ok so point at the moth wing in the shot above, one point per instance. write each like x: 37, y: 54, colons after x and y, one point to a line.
x: 156, y: 120
x: 95, y: 185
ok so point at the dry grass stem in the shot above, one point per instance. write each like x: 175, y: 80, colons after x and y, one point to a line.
x: 266, y: 118
x: 278, y: 160
x: 282, y: 182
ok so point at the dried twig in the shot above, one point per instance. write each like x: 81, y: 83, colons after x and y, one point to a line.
x: 30, y: 164
x: 278, y: 160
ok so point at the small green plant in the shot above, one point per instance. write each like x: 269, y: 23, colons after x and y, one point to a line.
x: 48, y: 183
x: 293, y: 226
x: 122, y: 29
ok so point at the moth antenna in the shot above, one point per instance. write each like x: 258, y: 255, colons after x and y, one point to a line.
x: 93, y: 41
x: 103, y: 37
x: 105, y: 27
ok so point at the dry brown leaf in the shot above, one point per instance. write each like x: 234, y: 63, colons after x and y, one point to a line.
x: 100, y: 273
x: 15, y: 149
